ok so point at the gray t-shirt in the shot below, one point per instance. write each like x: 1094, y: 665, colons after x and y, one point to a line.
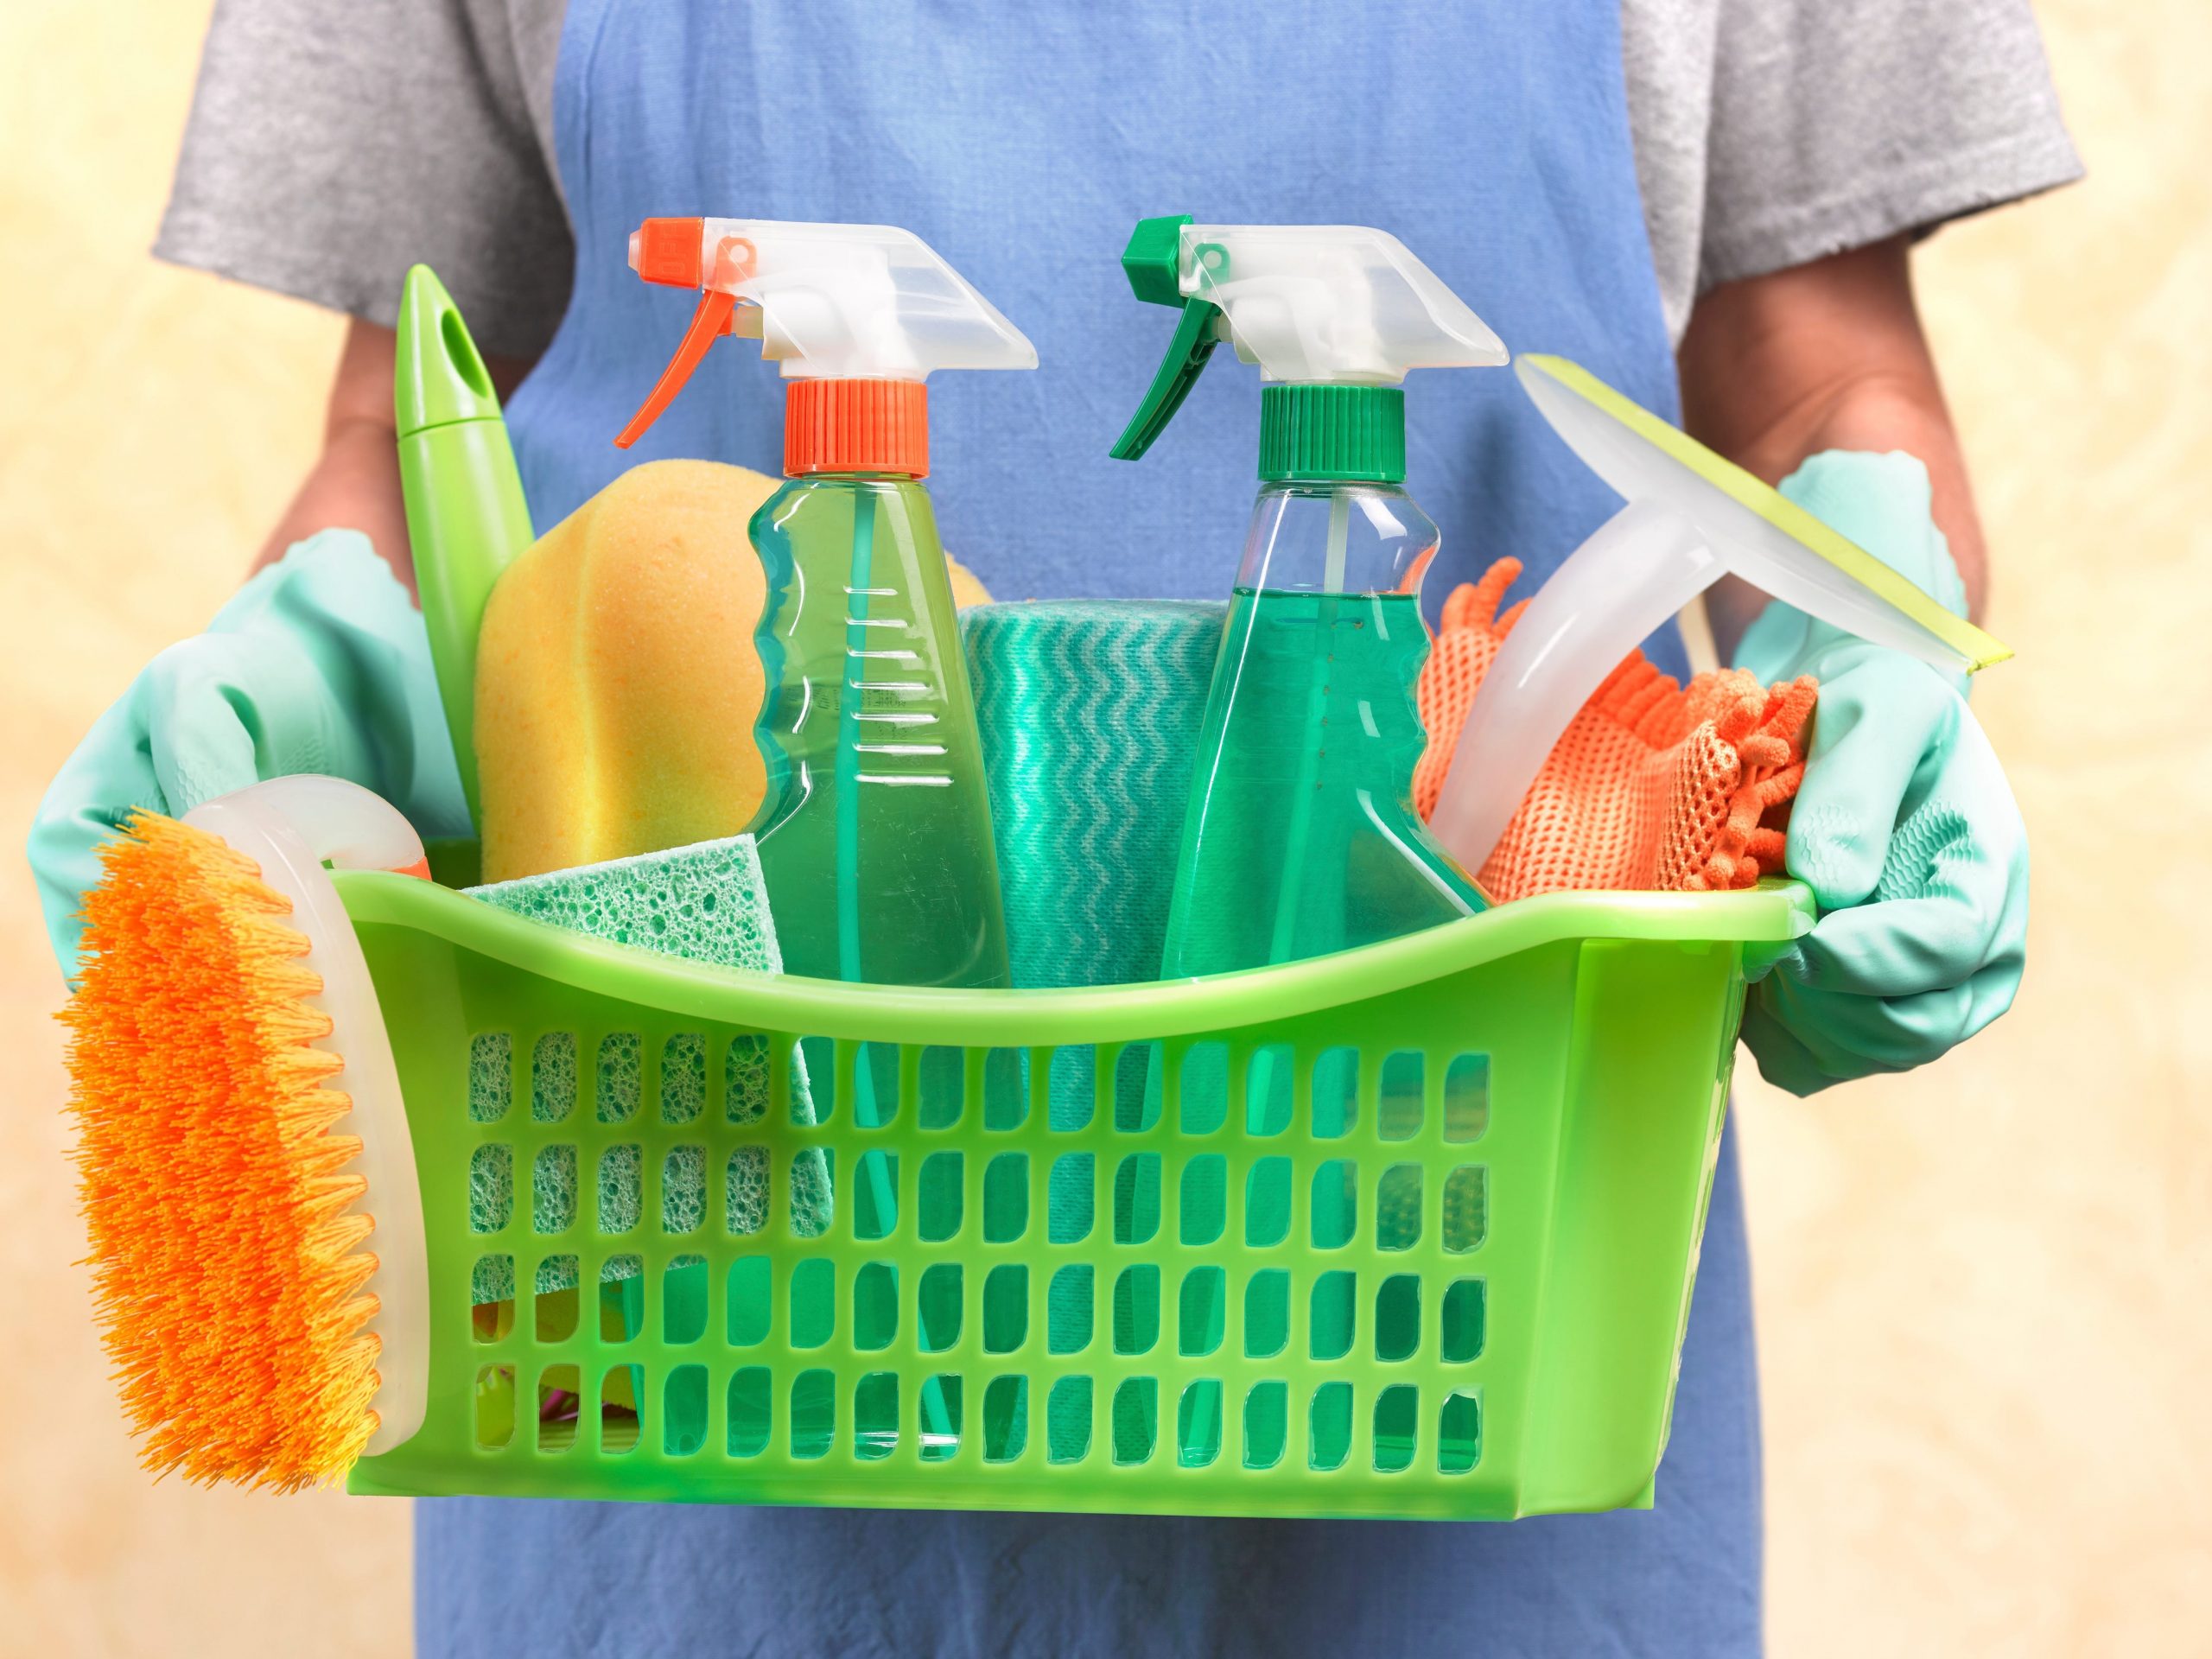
x: 334, y: 143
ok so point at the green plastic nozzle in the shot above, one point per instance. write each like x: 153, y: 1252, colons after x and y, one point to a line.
x: 1324, y: 416
x: 467, y: 518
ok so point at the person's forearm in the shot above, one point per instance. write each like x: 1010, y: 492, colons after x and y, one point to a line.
x: 1824, y: 356
x: 354, y: 483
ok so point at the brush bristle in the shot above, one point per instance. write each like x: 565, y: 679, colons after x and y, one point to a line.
x: 227, y: 1269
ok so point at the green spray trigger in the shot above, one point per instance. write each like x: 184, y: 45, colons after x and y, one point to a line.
x: 1152, y: 262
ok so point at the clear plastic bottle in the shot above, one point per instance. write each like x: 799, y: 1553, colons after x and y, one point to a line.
x: 875, y: 839
x: 1300, y: 837
x: 876, y: 845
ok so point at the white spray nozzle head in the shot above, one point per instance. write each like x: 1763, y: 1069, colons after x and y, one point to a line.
x: 826, y: 301
x: 835, y: 301
x: 1343, y: 304
x: 1339, y: 305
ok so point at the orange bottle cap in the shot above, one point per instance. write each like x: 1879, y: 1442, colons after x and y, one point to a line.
x: 856, y: 426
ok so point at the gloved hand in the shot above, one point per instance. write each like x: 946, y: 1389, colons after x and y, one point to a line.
x: 319, y: 664
x: 1905, y: 827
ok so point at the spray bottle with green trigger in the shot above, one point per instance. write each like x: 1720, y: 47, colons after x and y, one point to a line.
x: 1301, y: 837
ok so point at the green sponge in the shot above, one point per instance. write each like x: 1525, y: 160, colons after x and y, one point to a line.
x: 704, y: 903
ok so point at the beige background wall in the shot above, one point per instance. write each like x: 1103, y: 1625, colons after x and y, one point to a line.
x: 1985, y: 1290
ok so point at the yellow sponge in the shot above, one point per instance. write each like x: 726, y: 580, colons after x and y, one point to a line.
x: 617, y: 683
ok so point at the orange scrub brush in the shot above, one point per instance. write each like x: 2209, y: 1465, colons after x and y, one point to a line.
x: 236, y: 1102
x: 1651, y: 786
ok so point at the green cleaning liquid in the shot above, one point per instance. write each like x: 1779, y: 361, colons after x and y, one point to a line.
x: 876, y: 850
x: 1301, y: 837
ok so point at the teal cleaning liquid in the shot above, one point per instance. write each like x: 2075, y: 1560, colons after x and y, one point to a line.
x: 1301, y: 837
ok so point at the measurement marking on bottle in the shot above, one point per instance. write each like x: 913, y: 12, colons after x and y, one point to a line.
x: 900, y: 748
x: 901, y: 778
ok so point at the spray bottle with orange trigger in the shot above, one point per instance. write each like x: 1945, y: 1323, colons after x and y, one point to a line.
x: 875, y: 841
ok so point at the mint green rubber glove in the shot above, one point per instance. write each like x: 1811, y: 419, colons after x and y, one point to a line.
x: 319, y: 664
x: 1904, y: 828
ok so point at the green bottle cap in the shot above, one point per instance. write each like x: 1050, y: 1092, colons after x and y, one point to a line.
x: 1332, y: 434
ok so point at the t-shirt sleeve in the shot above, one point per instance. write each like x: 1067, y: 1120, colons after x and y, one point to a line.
x: 332, y: 143
x: 1838, y: 122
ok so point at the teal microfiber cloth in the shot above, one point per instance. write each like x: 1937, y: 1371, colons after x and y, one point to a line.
x: 704, y: 903
x: 1089, y: 713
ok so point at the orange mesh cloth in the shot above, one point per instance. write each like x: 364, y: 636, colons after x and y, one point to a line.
x: 1651, y: 786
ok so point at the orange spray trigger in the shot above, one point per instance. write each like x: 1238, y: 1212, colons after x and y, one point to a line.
x: 709, y: 322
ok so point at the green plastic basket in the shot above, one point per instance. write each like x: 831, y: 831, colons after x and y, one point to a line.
x: 1437, y: 1265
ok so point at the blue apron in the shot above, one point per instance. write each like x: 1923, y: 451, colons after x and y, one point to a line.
x: 1022, y: 143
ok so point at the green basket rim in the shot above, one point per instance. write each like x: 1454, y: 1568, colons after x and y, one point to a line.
x: 1775, y: 911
